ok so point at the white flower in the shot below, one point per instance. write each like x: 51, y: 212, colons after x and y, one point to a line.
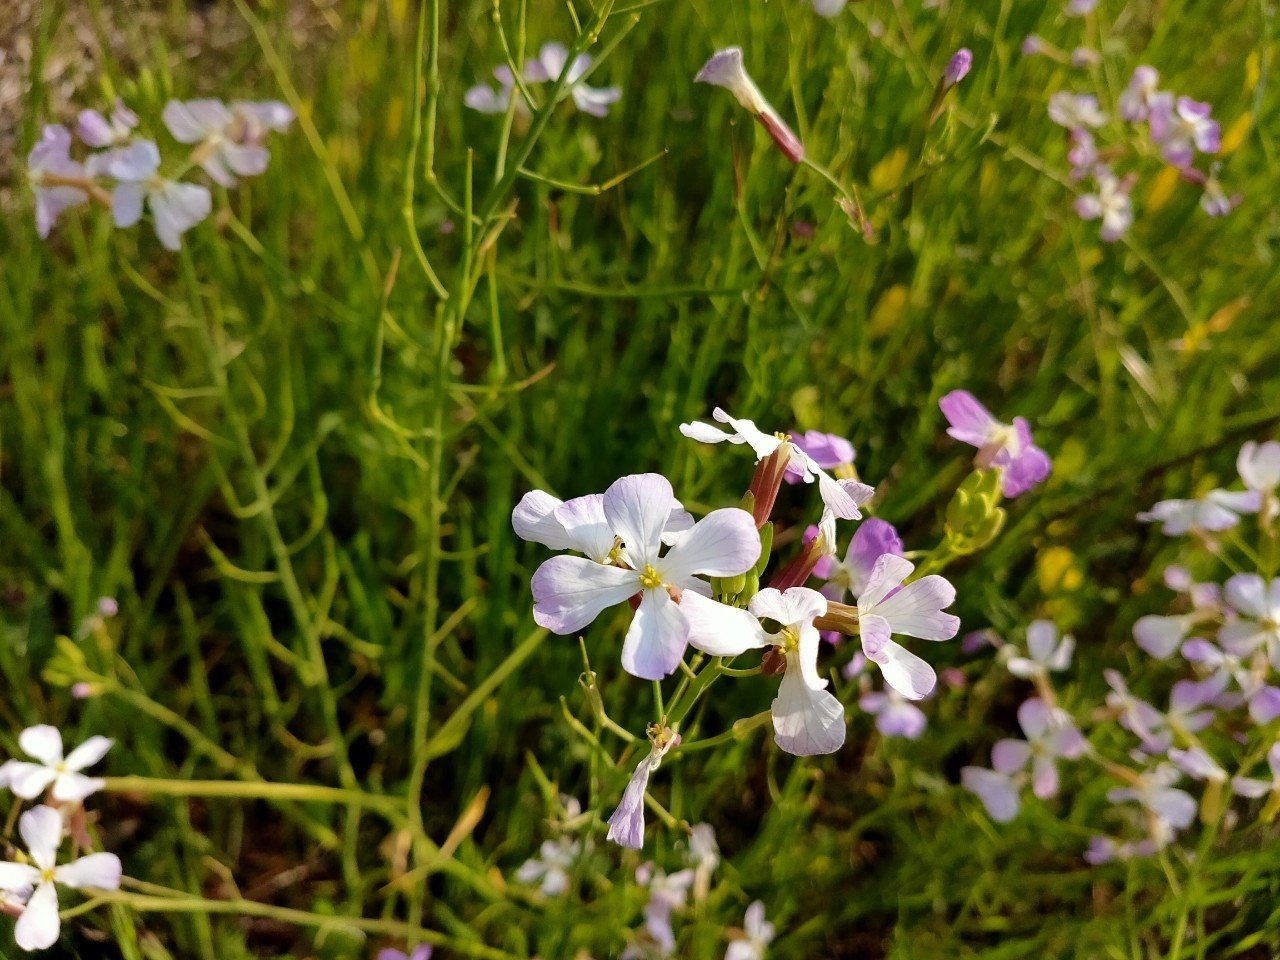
x: 1216, y: 511
x: 230, y: 138
x: 841, y: 498
x: 759, y: 934
x: 1110, y: 204
x: 553, y: 60
x: 807, y: 718
x: 580, y: 524
x: 704, y: 852
x: 34, y: 882
x: 915, y: 610
x: 550, y: 869
x: 1257, y: 601
x: 1259, y: 466
x: 44, y: 743
x: 175, y: 207
x: 1047, y: 652
x: 675, y: 609
x: 95, y: 130
x: 1076, y: 110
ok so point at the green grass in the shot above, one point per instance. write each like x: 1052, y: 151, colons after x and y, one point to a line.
x: 293, y: 462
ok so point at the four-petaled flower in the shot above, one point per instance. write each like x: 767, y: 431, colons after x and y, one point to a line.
x: 175, y: 207
x: 553, y: 61
x: 1075, y: 110
x: 807, y: 718
x: 674, y: 609
x: 230, y: 138
x: 1182, y: 127
x: 1007, y: 446
x: 34, y: 882
x: 887, y: 607
x: 1257, y: 602
x: 1110, y: 204
x: 44, y: 743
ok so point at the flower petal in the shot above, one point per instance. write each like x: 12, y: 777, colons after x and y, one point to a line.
x: 719, y: 629
x: 916, y: 609
x: 995, y: 790
x: 570, y: 592
x: 100, y: 871
x: 724, y: 543
x: 806, y: 722
x: 970, y: 422
x: 637, y: 508
x: 41, y: 830
x: 42, y: 742
x: 657, y: 637
x: 37, y: 928
x: 88, y: 753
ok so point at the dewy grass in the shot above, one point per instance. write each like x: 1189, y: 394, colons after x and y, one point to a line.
x: 273, y: 386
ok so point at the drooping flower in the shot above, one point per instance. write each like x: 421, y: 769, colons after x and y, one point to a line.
x: 807, y: 718
x: 1257, y: 601
x: 1214, y: 512
x: 230, y: 138
x: 175, y: 207
x: 1110, y: 203
x: 550, y: 868
x: 1182, y: 127
x: 50, y: 167
x: 1045, y: 652
x: 1252, y: 787
x: 1141, y: 95
x: 626, y: 825
x: 1075, y: 110
x: 580, y: 524
x: 841, y: 498
x: 35, y: 882
x: 674, y: 609
x: 828, y: 451
x: 758, y: 934
x: 872, y: 540
x: 1007, y: 446
x: 553, y: 60
x: 895, y: 715
x: 96, y: 130
x: 725, y: 69
x: 887, y: 607
x: 44, y: 744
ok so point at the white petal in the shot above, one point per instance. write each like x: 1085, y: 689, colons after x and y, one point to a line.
x: 708, y: 433
x: 29, y: 780
x: 724, y: 543
x: 798, y: 605
x: 37, y: 928
x: 1042, y: 635
x: 41, y: 829
x: 98, y: 870
x: 902, y: 669
x: 889, y: 572
x: 1246, y: 592
x: 533, y: 519
x: 806, y: 722
x: 585, y: 526
x: 88, y: 753
x: 42, y: 742
x: 657, y: 637
x: 22, y: 876
x: 719, y: 629
x: 637, y: 508
x: 916, y: 609
x: 994, y: 790
x: 570, y: 592
x: 73, y: 787
x: 843, y: 497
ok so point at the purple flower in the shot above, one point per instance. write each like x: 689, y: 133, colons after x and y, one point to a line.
x: 175, y: 207
x: 725, y: 69
x: 1006, y: 446
x: 674, y: 609
x: 807, y: 718
x: 1032, y: 45
x: 1140, y: 96
x: 914, y: 610
x: 95, y: 130
x: 1214, y: 200
x: 1075, y: 110
x: 1182, y: 127
x: 553, y: 61
x: 1046, y: 652
x: 1082, y: 154
x: 841, y: 498
x: 873, y: 539
x: 421, y: 952
x: 1171, y: 809
x: 1214, y: 512
x: 1250, y: 787
x: 895, y: 715
x: 50, y: 166
x: 230, y: 138
x: 1257, y: 602
x: 1198, y: 764
x: 626, y: 825
x: 827, y: 450
x: 958, y: 68
x: 1050, y: 735
x: 1110, y: 204
x: 485, y: 99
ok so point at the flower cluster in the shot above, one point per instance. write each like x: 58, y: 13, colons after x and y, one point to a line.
x: 123, y: 171
x: 698, y: 584
x: 29, y: 884
x: 1220, y: 701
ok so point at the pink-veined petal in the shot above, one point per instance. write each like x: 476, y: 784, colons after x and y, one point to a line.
x: 657, y: 638
x: 570, y: 592
x: 724, y: 543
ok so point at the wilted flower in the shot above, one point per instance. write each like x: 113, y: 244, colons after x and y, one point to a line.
x: 95, y: 130
x: 1214, y: 512
x: 840, y: 497
x: 1007, y: 446
x: 35, y: 882
x: 759, y: 933
x: 1141, y: 95
x: 44, y: 743
x: 915, y: 610
x: 50, y: 168
x: 1182, y: 127
x: 674, y: 609
x: 175, y: 207
x: 1257, y: 602
x: 1046, y: 652
x: 626, y: 825
x: 1110, y: 204
x: 807, y: 718
x: 1075, y: 110
x: 895, y: 715
x: 230, y: 138
x: 553, y: 60
x: 725, y: 69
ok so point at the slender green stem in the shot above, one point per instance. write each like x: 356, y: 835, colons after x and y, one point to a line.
x: 259, y: 790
